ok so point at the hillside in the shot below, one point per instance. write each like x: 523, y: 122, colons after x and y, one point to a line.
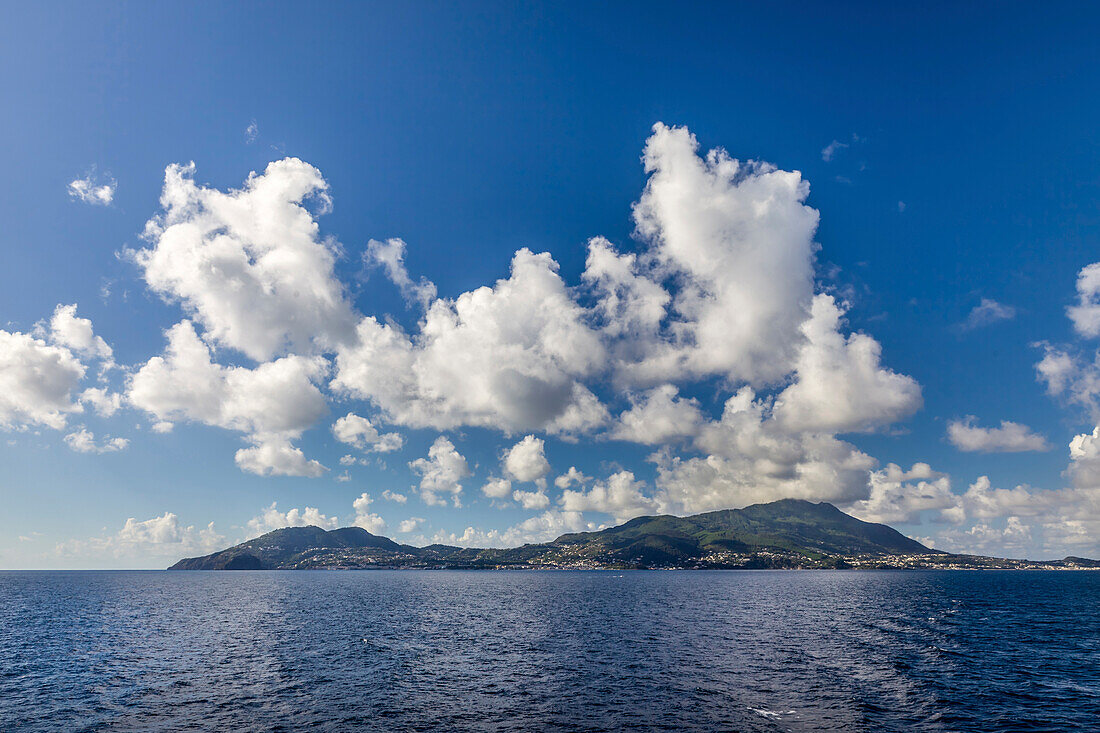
x: 788, y: 526
x: 786, y: 533
x: 294, y: 545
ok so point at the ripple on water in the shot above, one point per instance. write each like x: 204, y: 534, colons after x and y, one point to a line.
x: 501, y: 651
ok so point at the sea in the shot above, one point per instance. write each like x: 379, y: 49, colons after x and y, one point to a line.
x: 381, y: 650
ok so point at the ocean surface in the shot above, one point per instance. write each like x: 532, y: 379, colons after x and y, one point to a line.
x: 560, y: 650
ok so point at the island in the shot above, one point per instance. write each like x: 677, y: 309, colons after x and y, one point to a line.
x: 786, y: 534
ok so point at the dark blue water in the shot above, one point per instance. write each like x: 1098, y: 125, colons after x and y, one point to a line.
x: 496, y: 651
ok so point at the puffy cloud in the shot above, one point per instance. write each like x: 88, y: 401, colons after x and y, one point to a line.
x: 366, y: 519
x: 1011, y: 437
x: 620, y: 496
x: 1084, y: 453
x: 1086, y: 314
x: 722, y: 286
x: 272, y: 403
x: 441, y: 472
x: 359, y: 432
x: 389, y: 442
x: 570, y: 477
x: 532, y: 499
x: 161, y: 536
x: 394, y: 496
x: 1067, y: 373
x: 1072, y: 377
x: 840, y: 385
x: 526, y: 460
x: 497, y: 488
x: 409, y: 525
x: 90, y: 190
x: 390, y: 255
x: 185, y: 384
x: 1021, y: 521
x: 508, y: 357
x: 658, y: 416
x: 628, y: 304
x: 982, y: 501
x: 103, y: 402
x: 249, y: 264
x: 737, y: 237
x: 272, y: 454
x: 544, y: 527
x: 77, y: 334
x: 750, y: 458
x: 271, y: 519
x: 37, y: 381
x: 355, y: 431
x: 899, y: 496
x: 83, y: 441
x: 987, y: 313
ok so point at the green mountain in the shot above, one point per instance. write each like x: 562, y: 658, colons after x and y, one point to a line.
x: 788, y: 533
x: 293, y: 545
x: 785, y: 527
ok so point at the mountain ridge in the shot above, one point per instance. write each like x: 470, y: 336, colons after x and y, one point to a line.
x: 789, y: 533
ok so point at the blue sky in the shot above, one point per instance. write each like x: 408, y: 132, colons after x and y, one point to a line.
x: 961, y: 168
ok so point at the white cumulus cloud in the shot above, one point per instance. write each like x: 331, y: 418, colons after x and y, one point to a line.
x: 360, y: 433
x: 271, y: 519
x: 540, y: 528
x: 83, y: 441
x: 508, y: 357
x: 750, y: 458
x: 1010, y: 437
x: 412, y: 524
x: 77, y: 334
x: 738, y: 238
x: 37, y: 382
x: 272, y: 403
x: 249, y: 264
x: 365, y: 518
x: 441, y: 472
x: 159, y: 537
x: 526, y: 460
x: 659, y: 416
x: 840, y: 384
x: 620, y: 496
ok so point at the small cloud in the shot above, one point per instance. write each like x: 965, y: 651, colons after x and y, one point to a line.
x: 829, y: 151
x: 987, y: 313
x: 251, y: 132
x: 410, y: 525
x: 901, y: 207
x: 83, y: 441
x: 1010, y: 437
x: 91, y: 190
